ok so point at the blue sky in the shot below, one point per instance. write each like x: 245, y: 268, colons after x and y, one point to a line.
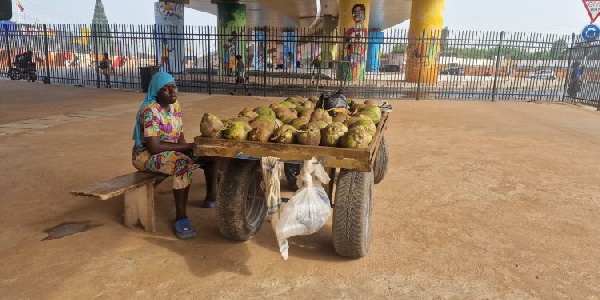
x: 545, y: 16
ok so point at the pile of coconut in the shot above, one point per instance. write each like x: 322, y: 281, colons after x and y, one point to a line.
x: 296, y: 121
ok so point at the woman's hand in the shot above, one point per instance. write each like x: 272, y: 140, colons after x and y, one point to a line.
x: 155, y: 146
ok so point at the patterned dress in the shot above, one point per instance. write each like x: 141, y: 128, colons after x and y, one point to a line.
x: 168, y: 126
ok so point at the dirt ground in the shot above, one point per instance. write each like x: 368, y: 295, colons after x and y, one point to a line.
x: 482, y: 200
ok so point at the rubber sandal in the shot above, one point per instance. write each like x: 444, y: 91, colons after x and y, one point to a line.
x: 210, y: 204
x: 183, y: 229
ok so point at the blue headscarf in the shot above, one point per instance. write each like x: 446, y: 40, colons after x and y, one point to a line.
x: 158, y: 81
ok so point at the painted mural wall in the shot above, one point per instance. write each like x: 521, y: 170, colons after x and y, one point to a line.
x: 170, y: 47
x: 354, y: 21
x: 231, y: 19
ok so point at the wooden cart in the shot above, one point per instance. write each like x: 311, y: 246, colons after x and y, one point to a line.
x: 241, y: 206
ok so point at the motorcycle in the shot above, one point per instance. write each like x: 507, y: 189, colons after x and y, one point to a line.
x: 21, y: 71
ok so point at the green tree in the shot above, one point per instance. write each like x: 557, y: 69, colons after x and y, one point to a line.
x: 444, y: 40
x: 558, y: 49
x: 101, y: 30
x: 399, y: 48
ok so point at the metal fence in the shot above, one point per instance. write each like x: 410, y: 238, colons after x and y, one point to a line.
x: 586, y: 91
x: 472, y: 65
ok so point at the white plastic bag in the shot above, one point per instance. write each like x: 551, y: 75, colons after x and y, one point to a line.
x: 308, y: 210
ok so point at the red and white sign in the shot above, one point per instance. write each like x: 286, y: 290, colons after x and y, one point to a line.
x: 593, y: 8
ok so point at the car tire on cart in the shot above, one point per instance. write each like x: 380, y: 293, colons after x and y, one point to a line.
x: 241, y: 206
x: 12, y: 73
x: 352, y: 213
x: 380, y: 167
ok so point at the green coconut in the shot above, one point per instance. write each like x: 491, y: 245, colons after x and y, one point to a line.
x: 248, y: 113
x: 274, y: 106
x: 264, y: 123
x: 356, y: 106
x: 330, y: 135
x: 306, y: 112
x: 277, y: 122
x: 298, y: 122
x: 308, y: 104
x: 313, y: 99
x: 368, y: 125
x: 320, y: 114
x: 309, y: 134
x: 264, y: 111
x: 356, y: 138
x: 372, y: 111
x: 297, y: 100
x: 286, y: 115
x: 287, y: 104
x: 340, y: 118
x: 285, y: 134
x: 237, y: 130
x: 261, y: 133
x: 355, y: 118
x: 320, y: 124
x: 211, y: 126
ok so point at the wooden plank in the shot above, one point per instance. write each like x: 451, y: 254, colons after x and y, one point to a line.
x: 356, y: 159
x: 374, y: 146
x: 227, y: 148
x: 145, y: 208
x: 132, y: 198
x: 107, y: 189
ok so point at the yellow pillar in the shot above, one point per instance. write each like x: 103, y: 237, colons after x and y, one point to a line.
x: 354, y: 26
x: 426, y: 22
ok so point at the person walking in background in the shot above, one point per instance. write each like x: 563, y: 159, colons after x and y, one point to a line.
x: 227, y: 58
x: 576, y: 79
x: 316, y: 73
x: 165, y: 54
x: 160, y: 146
x: 240, y: 75
x: 105, y: 67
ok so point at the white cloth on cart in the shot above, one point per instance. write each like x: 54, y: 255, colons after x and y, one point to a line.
x: 272, y: 168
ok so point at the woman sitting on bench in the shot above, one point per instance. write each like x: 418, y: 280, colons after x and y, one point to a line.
x: 160, y: 146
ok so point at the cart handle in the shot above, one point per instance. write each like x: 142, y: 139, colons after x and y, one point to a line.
x: 385, y: 106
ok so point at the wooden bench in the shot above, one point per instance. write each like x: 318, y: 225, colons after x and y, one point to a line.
x: 138, y: 188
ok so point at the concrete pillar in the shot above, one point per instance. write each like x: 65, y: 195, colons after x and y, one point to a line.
x: 326, y: 48
x: 231, y: 22
x: 375, y: 41
x: 169, y: 17
x: 426, y: 22
x: 354, y: 22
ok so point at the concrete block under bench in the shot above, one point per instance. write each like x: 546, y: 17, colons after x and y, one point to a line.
x: 138, y: 188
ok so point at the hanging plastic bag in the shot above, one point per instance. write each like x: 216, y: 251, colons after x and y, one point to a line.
x: 309, y: 209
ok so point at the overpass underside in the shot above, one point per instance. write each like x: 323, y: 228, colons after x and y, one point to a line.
x: 306, y: 14
x: 358, y: 23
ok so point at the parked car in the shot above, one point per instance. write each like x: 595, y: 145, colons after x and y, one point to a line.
x: 544, y: 74
x: 453, y: 71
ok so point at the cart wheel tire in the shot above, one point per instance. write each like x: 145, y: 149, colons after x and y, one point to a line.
x: 352, y: 213
x: 13, y: 75
x: 291, y: 172
x: 46, y: 80
x: 241, y: 206
x: 381, y: 162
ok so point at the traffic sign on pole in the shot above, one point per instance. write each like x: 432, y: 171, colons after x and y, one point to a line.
x: 590, y: 33
x: 593, y: 9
